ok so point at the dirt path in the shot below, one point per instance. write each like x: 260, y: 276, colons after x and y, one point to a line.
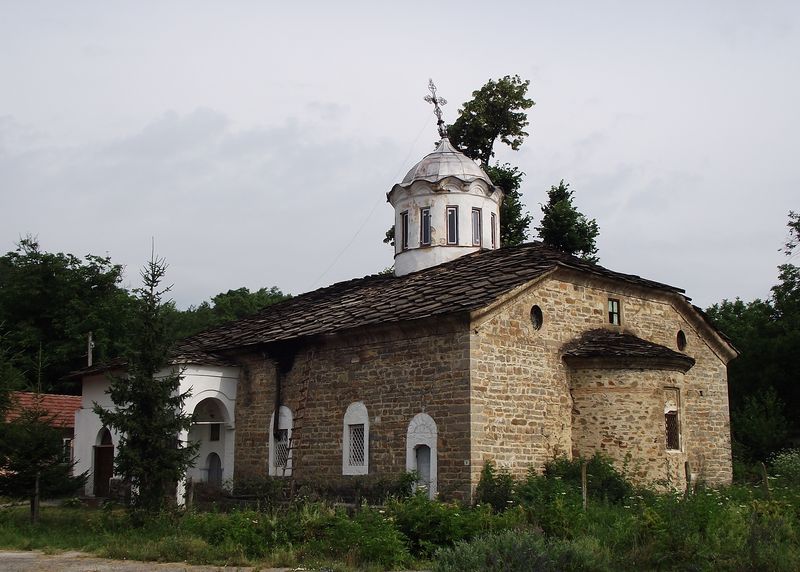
x: 81, y: 562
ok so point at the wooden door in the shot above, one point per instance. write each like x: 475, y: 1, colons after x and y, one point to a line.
x: 103, y: 469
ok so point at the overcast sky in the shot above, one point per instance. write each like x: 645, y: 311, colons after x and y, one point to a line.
x: 256, y: 141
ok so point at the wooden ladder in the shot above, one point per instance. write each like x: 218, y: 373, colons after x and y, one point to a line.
x: 298, y: 421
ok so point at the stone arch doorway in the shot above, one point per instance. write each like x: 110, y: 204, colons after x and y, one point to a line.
x: 422, y: 451
x: 210, y: 434
x: 103, y: 462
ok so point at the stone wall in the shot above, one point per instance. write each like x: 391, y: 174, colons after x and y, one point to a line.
x: 397, y: 372
x: 522, y: 406
x: 620, y: 413
x: 498, y: 389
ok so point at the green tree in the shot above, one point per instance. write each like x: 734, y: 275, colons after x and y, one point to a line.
x: 564, y: 227
x: 148, y: 405
x: 514, y: 222
x: 763, y: 379
x: 224, y: 307
x: 11, y: 378
x: 497, y: 111
x: 32, y: 463
x: 55, y: 300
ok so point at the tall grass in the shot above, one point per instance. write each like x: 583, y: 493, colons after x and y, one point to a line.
x: 536, y: 523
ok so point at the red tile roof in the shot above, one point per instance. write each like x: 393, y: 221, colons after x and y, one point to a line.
x: 61, y: 408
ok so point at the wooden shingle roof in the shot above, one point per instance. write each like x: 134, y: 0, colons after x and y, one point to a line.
x: 603, y: 344
x: 462, y: 285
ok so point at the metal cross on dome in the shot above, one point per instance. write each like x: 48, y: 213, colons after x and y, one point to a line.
x: 437, y: 101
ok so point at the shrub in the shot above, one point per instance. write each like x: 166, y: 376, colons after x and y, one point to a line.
x: 786, y: 466
x: 430, y: 524
x: 772, y: 540
x: 552, y: 503
x: 372, y: 489
x: 495, y: 488
x: 506, y: 551
x: 604, y: 481
x: 523, y: 551
x: 368, y: 537
x: 267, y: 490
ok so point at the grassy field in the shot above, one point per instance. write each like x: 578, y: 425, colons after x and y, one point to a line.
x: 533, y: 524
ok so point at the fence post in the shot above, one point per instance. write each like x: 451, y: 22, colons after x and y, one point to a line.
x: 765, y: 480
x: 584, y: 484
x: 687, y: 469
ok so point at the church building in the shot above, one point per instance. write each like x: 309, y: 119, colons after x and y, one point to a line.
x: 468, y: 353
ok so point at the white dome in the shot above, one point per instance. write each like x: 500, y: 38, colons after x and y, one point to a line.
x: 445, y: 161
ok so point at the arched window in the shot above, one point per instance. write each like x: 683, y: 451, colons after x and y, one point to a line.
x: 422, y: 452
x: 355, y: 440
x: 280, y: 452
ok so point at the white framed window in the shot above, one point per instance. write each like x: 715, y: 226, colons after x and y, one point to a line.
x: 355, y: 440
x: 280, y: 451
x: 452, y: 225
x: 494, y: 230
x: 425, y: 226
x: 404, y: 230
x: 476, y: 227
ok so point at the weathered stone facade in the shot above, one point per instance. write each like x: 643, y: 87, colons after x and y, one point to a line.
x: 396, y: 372
x: 527, y: 405
x: 499, y: 389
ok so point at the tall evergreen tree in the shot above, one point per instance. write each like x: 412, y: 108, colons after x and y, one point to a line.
x: 148, y: 406
x: 564, y: 227
x: 514, y: 222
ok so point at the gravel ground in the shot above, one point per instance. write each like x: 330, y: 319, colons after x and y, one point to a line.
x: 81, y: 562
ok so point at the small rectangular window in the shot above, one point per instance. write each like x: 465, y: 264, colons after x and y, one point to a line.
x: 476, y: 227
x: 425, y: 226
x: 452, y: 225
x: 67, y: 449
x: 494, y: 230
x: 356, y: 457
x: 672, y: 424
x: 404, y: 230
x: 673, y: 433
x: 213, y: 432
x: 613, y: 312
x: 282, y: 448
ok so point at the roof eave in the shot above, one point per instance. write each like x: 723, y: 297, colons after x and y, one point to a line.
x: 681, y: 364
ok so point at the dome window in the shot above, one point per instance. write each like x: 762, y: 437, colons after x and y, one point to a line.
x: 494, y: 230
x: 404, y: 230
x: 452, y: 225
x: 425, y: 226
x: 476, y: 227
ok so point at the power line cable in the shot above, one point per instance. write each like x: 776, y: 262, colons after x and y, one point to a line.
x: 374, y: 206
